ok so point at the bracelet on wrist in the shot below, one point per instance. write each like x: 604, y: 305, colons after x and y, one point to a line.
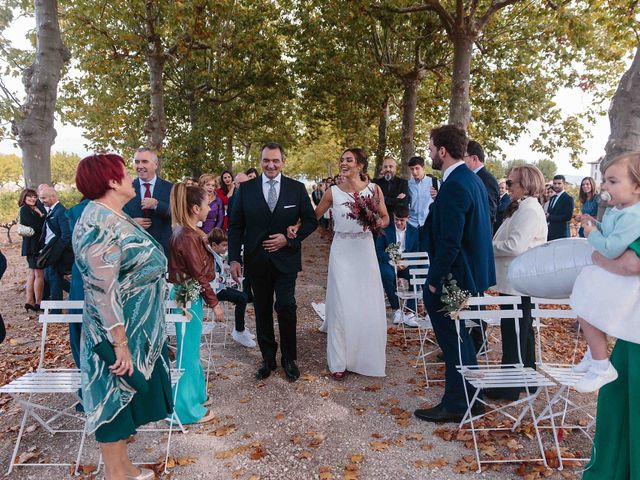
x: 124, y: 343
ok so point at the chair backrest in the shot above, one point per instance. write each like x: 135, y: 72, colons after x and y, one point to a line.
x: 551, y: 308
x: 508, y: 307
x: 47, y: 318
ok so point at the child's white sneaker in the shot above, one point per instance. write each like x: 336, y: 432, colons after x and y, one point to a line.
x: 595, y: 379
x: 243, y: 338
x: 397, y: 317
x: 248, y: 332
x: 584, y: 364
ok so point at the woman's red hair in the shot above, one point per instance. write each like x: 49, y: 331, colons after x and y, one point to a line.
x: 95, y: 171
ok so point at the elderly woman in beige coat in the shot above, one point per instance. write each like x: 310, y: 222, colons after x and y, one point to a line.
x: 524, y: 227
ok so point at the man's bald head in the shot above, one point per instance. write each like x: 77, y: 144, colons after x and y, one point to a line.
x: 47, y: 195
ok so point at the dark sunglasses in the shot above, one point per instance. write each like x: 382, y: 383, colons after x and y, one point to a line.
x: 510, y: 182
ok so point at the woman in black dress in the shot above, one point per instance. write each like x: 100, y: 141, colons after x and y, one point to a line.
x: 30, y: 215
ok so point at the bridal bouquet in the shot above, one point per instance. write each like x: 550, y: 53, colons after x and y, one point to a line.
x: 454, y: 298
x: 364, y: 210
x: 393, y: 250
x: 187, y: 291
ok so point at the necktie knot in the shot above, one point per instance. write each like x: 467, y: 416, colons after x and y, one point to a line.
x: 272, y: 182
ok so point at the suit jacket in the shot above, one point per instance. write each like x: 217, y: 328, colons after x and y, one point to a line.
x: 458, y: 234
x: 58, y: 222
x: 505, y: 201
x: 251, y: 222
x: 391, y: 189
x: 160, y: 228
x: 411, y: 241
x: 493, y: 191
x: 559, y: 216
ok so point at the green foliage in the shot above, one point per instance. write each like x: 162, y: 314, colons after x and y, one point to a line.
x: 10, y: 169
x: 547, y: 167
x: 69, y: 196
x: 9, y: 206
x: 63, y: 168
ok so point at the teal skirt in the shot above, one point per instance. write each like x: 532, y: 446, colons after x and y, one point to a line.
x: 153, y: 405
x: 190, y: 391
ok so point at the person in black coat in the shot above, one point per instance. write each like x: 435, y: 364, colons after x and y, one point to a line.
x: 560, y: 210
x: 265, y: 207
x: 474, y: 158
x: 150, y: 208
x: 505, y: 201
x: 394, y: 189
x: 31, y: 215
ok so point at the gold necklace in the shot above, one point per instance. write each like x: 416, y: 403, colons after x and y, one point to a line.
x: 111, y: 209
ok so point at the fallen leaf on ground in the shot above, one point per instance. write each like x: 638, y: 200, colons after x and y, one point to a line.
x: 258, y: 453
x: 379, y: 446
x: 225, y: 430
x: 279, y: 416
x: 304, y: 455
x: 426, y: 447
x: 438, y: 463
x: 374, y: 387
x: 357, y: 458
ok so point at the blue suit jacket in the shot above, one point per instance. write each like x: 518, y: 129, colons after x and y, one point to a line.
x: 560, y: 216
x: 458, y: 234
x: 58, y: 222
x: 411, y: 241
x: 160, y: 217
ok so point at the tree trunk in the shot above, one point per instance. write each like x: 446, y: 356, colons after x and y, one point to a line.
x: 228, y: 156
x: 155, y: 127
x: 409, y: 105
x: 195, y: 141
x: 459, y: 106
x: 624, y: 114
x: 34, y: 128
x: 383, y: 123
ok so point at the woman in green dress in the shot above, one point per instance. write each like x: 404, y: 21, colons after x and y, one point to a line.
x: 189, y: 258
x: 123, y: 272
x: 616, y: 446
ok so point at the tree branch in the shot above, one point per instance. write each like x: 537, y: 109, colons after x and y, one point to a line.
x: 495, y: 6
x: 428, y: 6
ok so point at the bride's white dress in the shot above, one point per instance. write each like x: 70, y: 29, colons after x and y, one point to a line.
x: 355, y: 310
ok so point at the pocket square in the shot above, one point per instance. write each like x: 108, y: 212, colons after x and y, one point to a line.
x: 289, y: 206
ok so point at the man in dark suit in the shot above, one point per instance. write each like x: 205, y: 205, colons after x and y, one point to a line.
x: 150, y: 208
x: 560, y: 210
x: 399, y: 231
x: 394, y: 189
x: 505, y: 201
x: 458, y: 240
x: 262, y: 211
x: 474, y: 158
x: 56, y: 229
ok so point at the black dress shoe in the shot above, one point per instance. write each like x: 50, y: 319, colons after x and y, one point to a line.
x: 438, y: 414
x: 265, y: 369
x: 291, y: 370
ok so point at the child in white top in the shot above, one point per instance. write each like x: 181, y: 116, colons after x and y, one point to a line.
x: 607, y: 303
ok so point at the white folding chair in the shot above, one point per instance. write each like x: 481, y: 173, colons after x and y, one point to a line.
x: 418, y: 265
x: 501, y: 376
x: 28, y: 388
x: 562, y: 406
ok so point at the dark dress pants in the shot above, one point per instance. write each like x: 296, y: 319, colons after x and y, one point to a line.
x: 454, y: 399
x: 267, y: 281
x: 239, y: 299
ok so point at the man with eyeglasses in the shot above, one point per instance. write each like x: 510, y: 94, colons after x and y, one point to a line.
x: 474, y: 158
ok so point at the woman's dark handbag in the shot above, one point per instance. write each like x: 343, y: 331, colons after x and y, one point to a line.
x: 105, y: 351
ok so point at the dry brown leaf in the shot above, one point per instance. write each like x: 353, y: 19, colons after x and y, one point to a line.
x: 360, y: 410
x: 245, y: 399
x: 296, y: 439
x: 426, y: 447
x: 379, y: 446
x: 279, y: 416
x: 374, y: 387
x: 225, y: 430
x: 414, y: 436
x: 238, y: 473
x: 317, y: 440
x: 325, y: 473
x: 376, y: 435
x: 351, y: 472
x: 324, y: 394
x: 304, y: 455
x: 357, y: 458
x: 258, y: 453
x: 438, y: 463
x: 185, y: 460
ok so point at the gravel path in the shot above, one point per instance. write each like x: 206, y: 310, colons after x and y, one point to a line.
x: 315, y: 428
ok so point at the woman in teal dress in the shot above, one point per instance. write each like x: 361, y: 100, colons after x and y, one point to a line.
x: 189, y: 258
x: 122, y: 268
x: 588, y: 197
x: 616, y: 446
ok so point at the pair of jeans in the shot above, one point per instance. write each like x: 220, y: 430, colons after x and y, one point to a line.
x: 240, y: 300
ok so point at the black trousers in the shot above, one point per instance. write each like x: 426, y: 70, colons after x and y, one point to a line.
x: 266, y: 283
x: 509, y: 339
x: 239, y: 299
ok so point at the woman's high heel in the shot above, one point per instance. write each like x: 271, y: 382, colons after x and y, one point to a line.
x: 28, y: 306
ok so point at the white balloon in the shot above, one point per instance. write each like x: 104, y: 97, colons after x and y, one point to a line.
x: 550, y: 270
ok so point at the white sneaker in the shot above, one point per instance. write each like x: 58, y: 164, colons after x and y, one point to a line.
x: 248, y: 332
x: 397, y: 317
x: 594, y: 379
x: 243, y: 338
x: 409, y: 319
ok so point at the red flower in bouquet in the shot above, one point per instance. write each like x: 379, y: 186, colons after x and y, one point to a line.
x: 364, y: 210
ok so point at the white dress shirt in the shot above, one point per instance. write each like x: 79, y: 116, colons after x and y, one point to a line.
x: 451, y: 168
x: 152, y: 185
x: 400, y: 238
x: 266, y: 187
x: 49, y: 235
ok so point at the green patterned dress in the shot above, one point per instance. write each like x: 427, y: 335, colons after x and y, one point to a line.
x: 123, y: 272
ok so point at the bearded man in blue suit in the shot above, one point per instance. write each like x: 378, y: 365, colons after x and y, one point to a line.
x: 458, y: 240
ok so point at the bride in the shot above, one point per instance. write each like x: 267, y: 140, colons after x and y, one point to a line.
x: 355, y: 310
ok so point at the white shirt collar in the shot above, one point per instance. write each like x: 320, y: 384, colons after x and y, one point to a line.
x: 53, y: 206
x: 478, y: 169
x: 265, y: 179
x: 451, y: 168
x: 152, y: 182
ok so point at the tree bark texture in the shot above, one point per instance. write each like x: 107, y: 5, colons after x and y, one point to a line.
x: 411, y: 83
x: 459, y: 104
x: 383, y: 124
x: 624, y: 114
x: 155, y: 127
x: 34, y: 128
